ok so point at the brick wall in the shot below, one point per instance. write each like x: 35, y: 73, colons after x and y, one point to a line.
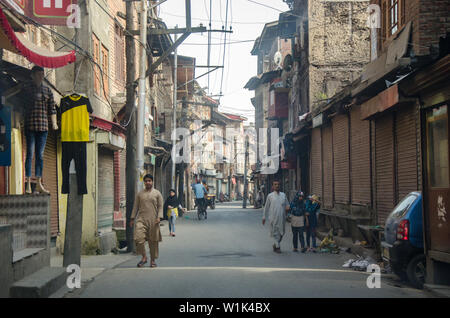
x: 434, y: 22
x: 430, y: 20
x: 338, y: 48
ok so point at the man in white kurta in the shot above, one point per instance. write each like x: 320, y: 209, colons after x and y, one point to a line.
x: 275, y: 211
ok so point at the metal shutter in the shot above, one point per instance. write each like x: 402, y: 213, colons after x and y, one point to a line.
x: 341, y: 159
x: 3, y: 180
x: 123, y: 165
x: 407, y: 152
x: 50, y: 179
x: 49, y: 176
x: 384, y: 163
x: 316, y: 162
x: 105, y: 202
x: 327, y: 153
x: 360, y: 158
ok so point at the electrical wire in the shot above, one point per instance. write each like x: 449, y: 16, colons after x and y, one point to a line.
x: 232, y: 42
x: 229, y: 47
x: 265, y: 5
x: 207, y: 20
x: 209, y: 43
x: 224, y: 48
x: 206, y: 9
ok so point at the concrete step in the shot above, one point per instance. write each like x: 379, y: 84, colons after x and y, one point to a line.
x: 40, y: 284
x: 441, y: 291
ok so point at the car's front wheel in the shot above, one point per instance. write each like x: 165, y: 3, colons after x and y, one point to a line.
x: 399, y: 271
x: 416, y: 271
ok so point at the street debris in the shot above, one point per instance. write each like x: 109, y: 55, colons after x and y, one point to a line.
x: 328, y: 245
x: 359, y: 264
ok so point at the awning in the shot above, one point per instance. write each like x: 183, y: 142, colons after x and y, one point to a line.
x: 253, y: 83
x: 394, y: 58
x: 18, y: 44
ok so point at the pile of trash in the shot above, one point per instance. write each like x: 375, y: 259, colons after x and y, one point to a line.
x: 359, y: 264
x: 328, y: 245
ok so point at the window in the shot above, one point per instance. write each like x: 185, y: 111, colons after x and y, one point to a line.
x: 119, y: 54
x: 403, y: 207
x: 96, y: 56
x: 32, y: 34
x: 393, y: 16
x: 105, y: 73
x: 394, y: 19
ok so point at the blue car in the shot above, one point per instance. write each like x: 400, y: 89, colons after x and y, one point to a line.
x: 403, y: 246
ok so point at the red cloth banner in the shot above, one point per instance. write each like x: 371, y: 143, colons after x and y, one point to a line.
x: 34, y: 54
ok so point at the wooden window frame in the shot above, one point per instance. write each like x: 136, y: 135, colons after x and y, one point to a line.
x: 119, y: 54
x: 105, y: 71
x: 96, y: 57
x: 392, y: 25
x: 393, y: 16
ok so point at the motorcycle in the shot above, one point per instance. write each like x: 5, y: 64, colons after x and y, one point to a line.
x: 210, y: 201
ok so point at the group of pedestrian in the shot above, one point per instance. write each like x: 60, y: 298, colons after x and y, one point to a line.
x: 301, y: 212
x: 303, y: 218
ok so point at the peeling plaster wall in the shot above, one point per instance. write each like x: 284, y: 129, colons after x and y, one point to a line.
x: 332, y: 46
x: 339, y: 46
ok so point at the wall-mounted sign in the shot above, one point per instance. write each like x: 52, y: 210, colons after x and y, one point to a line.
x: 51, y: 12
x: 317, y: 121
x: 18, y: 5
x: 48, y: 12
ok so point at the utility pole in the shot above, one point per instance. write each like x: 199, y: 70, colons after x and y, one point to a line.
x: 74, y: 217
x: 244, y: 204
x: 235, y: 164
x: 174, y: 123
x: 142, y: 95
x: 130, y: 114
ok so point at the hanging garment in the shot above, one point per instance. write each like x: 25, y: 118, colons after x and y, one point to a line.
x: 77, y: 152
x: 75, y: 110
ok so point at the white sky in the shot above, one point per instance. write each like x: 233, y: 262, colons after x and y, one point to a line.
x: 247, y: 19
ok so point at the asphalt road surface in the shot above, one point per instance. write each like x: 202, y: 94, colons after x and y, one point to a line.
x: 230, y: 255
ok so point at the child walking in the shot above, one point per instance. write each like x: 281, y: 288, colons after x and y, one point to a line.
x: 171, y: 210
x: 298, y: 220
x: 312, y: 210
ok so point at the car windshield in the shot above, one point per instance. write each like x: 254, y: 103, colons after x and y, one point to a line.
x: 401, y: 208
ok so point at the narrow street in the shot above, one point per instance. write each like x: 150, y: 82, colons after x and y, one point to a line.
x: 230, y: 255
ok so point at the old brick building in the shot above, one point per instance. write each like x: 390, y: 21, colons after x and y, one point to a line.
x: 370, y: 139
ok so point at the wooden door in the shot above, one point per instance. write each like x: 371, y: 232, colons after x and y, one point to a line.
x: 437, y: 190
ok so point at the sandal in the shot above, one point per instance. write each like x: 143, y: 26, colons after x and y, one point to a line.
x: 153, y: 264
x: 141, y: 263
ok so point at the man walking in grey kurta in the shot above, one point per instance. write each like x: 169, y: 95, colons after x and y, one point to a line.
x: 275, y: 211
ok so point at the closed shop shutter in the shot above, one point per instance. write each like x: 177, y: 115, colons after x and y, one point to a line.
x: 341, y: 159
x: 327, y: 152
x: 407, y: 151
x: 49, y: 177
x: 384, y: 165
x: 116, y: 180
x: 105, y: 202
x: 3, y: 180
x: 360, y: 158
x: 123, y: 157
x: 316, y: 162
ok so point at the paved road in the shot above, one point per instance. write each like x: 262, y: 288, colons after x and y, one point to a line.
x: 230, y: 255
